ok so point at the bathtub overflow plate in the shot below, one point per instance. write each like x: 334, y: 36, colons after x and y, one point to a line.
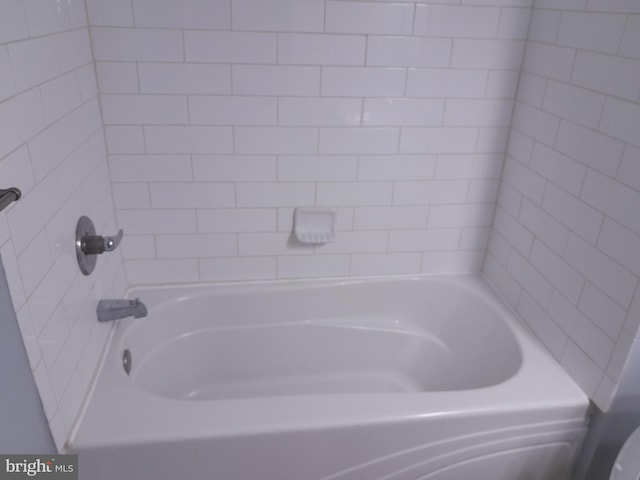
x: 126, y: 361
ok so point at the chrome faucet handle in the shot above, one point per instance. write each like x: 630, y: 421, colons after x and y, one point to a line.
x: 111, y: 243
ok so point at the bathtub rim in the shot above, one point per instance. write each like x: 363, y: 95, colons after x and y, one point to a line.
x: 289, y: 413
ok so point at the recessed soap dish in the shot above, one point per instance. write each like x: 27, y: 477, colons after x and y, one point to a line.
x: 314, y: 225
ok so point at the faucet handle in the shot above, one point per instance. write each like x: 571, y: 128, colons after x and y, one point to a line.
x: 111, y: 243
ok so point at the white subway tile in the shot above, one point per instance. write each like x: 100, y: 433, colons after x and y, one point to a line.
x: 192, y: 195
x: 396, y: 167
x: 387, y: 51
x: 602, y: 271
x: 144, y: 109
x: 608, y: 74
x: 591, y: 31
x: 462, y: 262
x: 321, y: 49
x: 157, y: 221
x: 355, y: 242
x: 430, y: 192
x: 629, y: 171
x: 344, y: 220
x: 369, y: 18
x: 35, y: 61
x: 236, y: 220
x: 531, y: 89
x: 510, y: 199
x: 614, y: 199
x: 45, y: 390
x: 278, y: 15
x: 362, y: 82
x: 275, y: 140
x: 34, y: 262
x: 621, y: 6
x: 53, y: 336
x: 502, y: 84
x: 364, y: 141
x: 21, y: 118
x: 76, y: 168
x: 403, y: 111
x: 563, y: 277
x: 149, y: 168
x: 317, y: 168
x: 584, y: 371
x: 117, y: 13
x: 630, y: 45
x: 438, y: 140
x: 12, y: 271
x: 557, y: 168
x: 131, y: 195
x: 188, y: 139
x: 16, y: 169
x: 275, y: 80
x: 385, y: 263
x: 424, y: 240
x: 573, y: 103
x: 117, y: 77
x: 573, y: 213
x: 544, y: 25
x: 620, y: 356
x: 128, y: 44
x: 589, y: 337
x: 475, y: 238
x: 184, y: 78
x: 13, y: 21
x: 502, y: 280
x: 251, y: 194
x: 232, y: 110
x: 204, y: 14
x: 161, y: 271
x: 229, y: 47
x: 440, y: 83
x: 513, y: 232
x: 602, y: 311
x: 447, y: 216
x: 552, y: 232
x: 492, y: 139
x: 354, y: 193
x: 456, y: 21
x: 620, y: 244
x: 7, y: 84
x: 476, y: 112
x: 271, y: 243
x: 139, y: 247
x: 307, y: 266
x: 537, y: 123
x: 590, y: 148
x: 542, y: 325
x: 468, y: 166
x: 531, y: 280
x: 490, y: 54
x: 633, y: 316
x: 33, y: 211
x: 196, y: 246
x: 124, y: 139
x: 391, y: 218
x: 230, y: 269
x: 483, y: 191
x: 551, y: 61
x: 234, y: 168
x: 620, y: 119
x: 320, y: 111
x: 514, y: 22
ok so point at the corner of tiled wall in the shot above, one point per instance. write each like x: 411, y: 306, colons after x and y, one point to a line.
x: 52, y: 147
x: 566, y: 235
x: 222, y: 116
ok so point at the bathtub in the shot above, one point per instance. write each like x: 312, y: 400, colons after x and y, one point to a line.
x: 359, y: 379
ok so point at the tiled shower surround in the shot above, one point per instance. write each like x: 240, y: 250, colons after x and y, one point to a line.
x: 221, y: 116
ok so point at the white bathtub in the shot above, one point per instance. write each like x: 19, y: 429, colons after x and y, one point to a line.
x: 396, y: 378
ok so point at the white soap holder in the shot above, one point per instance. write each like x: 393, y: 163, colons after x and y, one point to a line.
x: 314, y: 225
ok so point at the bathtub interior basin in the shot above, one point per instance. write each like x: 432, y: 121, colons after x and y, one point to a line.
x: 339, y: 338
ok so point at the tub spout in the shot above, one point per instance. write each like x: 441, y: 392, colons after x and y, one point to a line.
x: 113, y: 309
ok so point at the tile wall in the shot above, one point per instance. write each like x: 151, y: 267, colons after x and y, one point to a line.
x: 221, y: 116
x: 52, y: 147
x: 566, y: 235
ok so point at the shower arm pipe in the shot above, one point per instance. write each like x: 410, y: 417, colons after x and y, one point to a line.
x: 8, y: 196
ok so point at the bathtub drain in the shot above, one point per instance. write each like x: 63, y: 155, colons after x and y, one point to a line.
x: 126, y: 361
